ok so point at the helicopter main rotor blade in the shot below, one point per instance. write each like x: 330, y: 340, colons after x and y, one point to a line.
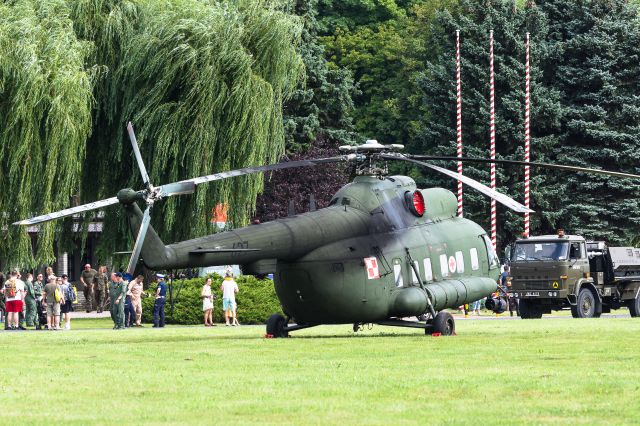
x: 68, y: 212
x: 499, y: 197
x: 267, y: 168
x: 136, y: 152
x: 178, y: 188
x: 137, y: 248
x: 525, y: 163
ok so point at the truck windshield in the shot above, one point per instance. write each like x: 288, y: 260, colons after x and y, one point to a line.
x: 531, y: 251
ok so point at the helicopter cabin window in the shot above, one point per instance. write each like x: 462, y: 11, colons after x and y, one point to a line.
x: 491, y: 253
x: 397, y: 274
x: 444, y: 265
x: 459, y: 262
x: 414, y: 277
x: 473, y: 253
x: 428, y: 273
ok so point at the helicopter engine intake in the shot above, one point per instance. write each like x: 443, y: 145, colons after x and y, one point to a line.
x: 496, y: 304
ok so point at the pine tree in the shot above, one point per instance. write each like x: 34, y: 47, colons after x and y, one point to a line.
x: 593, y: 60
x: 475, y: 19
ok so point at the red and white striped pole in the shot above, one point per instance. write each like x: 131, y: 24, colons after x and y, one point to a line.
x: 493, y: 141
x: 527, y: 147
x: 459, y: 120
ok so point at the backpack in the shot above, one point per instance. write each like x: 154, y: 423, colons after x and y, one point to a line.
x: 10, y: 289
x: 70, y: 293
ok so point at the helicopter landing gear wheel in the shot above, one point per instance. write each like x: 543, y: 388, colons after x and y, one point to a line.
x: 443, y: 323
x: 277, y: 326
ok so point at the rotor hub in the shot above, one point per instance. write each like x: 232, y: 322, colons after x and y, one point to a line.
x: 129, y: 196
x: 368, y: 157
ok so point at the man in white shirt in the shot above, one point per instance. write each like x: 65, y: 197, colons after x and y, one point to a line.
x: 229, y: 289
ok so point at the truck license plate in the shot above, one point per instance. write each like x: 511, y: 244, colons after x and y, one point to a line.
x: 532, y: 294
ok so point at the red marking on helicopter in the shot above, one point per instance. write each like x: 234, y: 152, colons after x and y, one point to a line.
x: 371, y: 263
x: 452, y: 264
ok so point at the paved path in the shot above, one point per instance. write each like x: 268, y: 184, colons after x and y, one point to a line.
x: 94, y: 314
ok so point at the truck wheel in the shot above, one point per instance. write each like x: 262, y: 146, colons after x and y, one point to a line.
x: 528, y: 310
x: 574, y: 312
x: 276, y: 326
x: 586, y: 306
x: 444, y: 324
x: 634, y: 307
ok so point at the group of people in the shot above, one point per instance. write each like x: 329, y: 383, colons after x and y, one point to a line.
x: 229, y: 289
x: 25, y: 302
x: 46, y: 303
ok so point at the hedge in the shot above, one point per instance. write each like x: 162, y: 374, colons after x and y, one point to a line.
x: 256, y: 301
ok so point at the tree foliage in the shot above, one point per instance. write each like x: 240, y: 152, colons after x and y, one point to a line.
x: 475, y: 19
x: 593, y: 51
x: 317, y: 119
x: 584, y: 109
x: 203, y: 82
x: 384, y: 49
x: 45, y: 119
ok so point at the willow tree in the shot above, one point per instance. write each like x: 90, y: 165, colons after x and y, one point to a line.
x: 204, y: 84
x: 45, y: 120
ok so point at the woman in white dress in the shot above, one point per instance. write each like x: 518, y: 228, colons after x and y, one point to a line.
x: 207, y: 303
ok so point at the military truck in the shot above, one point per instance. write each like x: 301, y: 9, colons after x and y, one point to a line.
x: 553, y: 272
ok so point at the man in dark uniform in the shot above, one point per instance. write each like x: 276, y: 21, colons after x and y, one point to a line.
x: 158, y: 307
x: 102, y: 287
x: 117, y: 292
x: 88, y: 278
x: 31, y: 300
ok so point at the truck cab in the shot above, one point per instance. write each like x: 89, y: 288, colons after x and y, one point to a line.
x: 551, y: 272
x: 547, y: 271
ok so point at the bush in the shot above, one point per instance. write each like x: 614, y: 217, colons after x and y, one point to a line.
x: 256, y: 300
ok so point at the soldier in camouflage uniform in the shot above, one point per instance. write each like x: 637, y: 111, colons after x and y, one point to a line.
x: 102, y: 288
x: 117, y: 293
x: 88, y: 278
x: 32, y: 298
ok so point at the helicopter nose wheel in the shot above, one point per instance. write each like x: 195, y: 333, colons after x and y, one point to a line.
x: 277, y: 326
x: 443, y: 323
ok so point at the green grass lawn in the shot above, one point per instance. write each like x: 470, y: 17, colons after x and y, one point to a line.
x: 550, y: 371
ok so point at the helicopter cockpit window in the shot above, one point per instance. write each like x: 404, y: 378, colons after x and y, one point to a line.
x: 492, y: 257
x: 530, y: 251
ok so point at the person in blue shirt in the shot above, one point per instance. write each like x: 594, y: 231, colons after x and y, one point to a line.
x: 158, y: 307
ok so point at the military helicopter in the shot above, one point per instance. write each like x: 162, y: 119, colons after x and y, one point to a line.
x: 381, y: 252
